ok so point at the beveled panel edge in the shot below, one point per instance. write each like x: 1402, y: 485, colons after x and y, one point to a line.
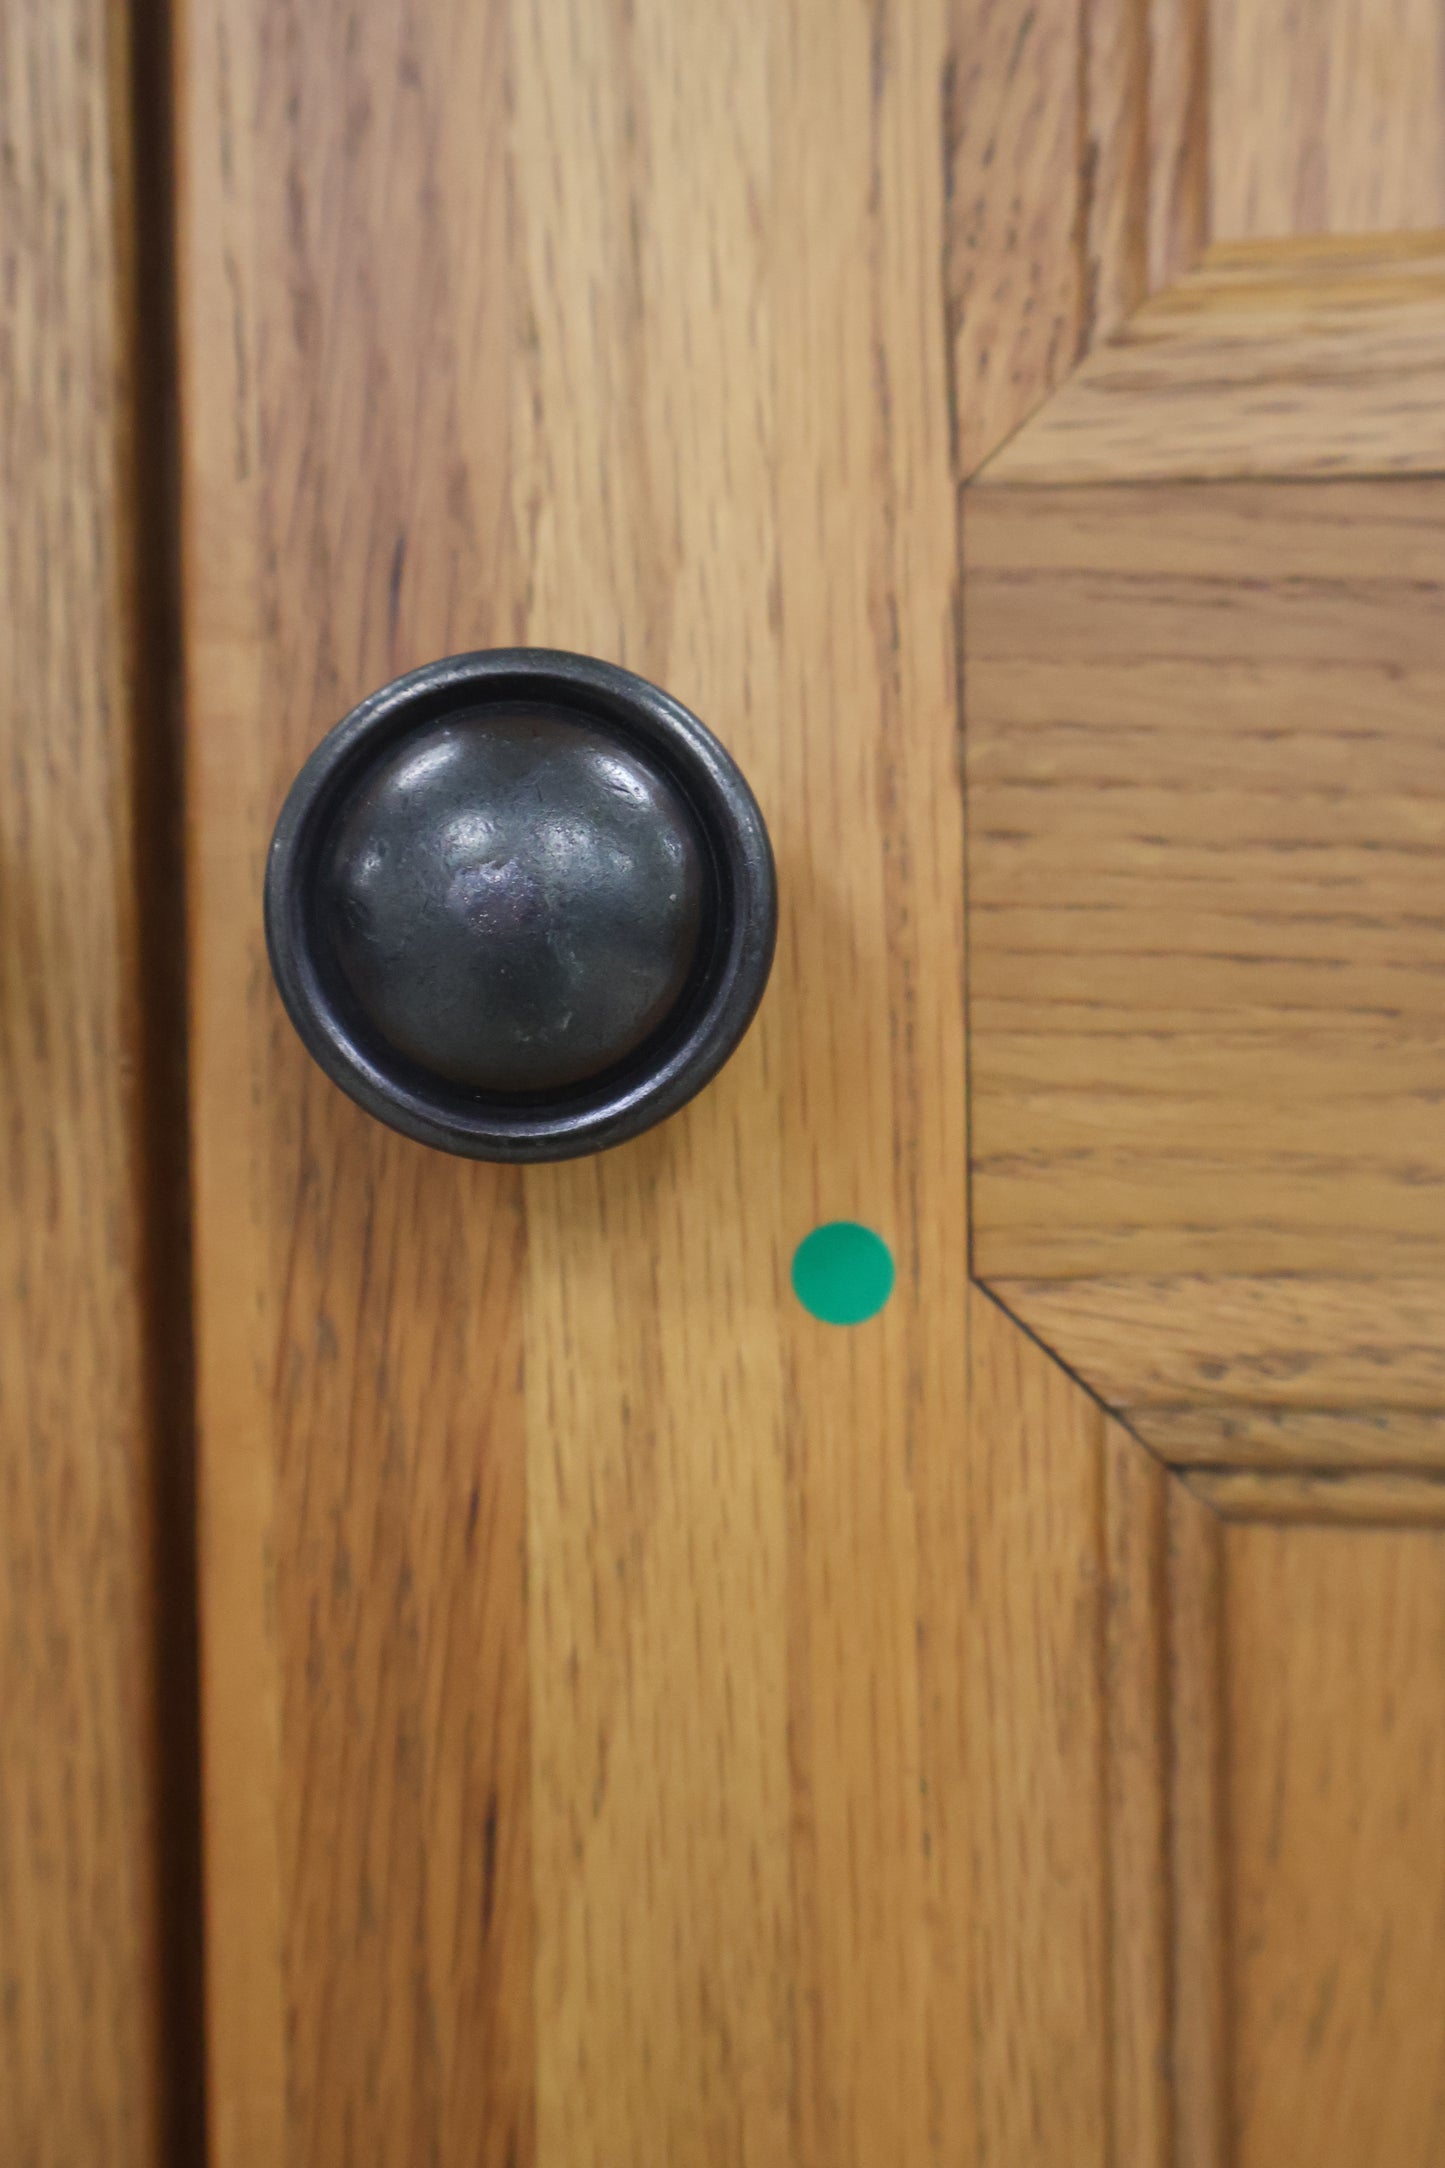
x: 1213, y: 1432
x: 1275, y: 361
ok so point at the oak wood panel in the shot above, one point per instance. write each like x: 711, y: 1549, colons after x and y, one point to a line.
x: 1201, y: 2011
x: 740, y: 1751
x: 1217, y: 1338
x: 1206, y: 799
x: 708, y: 1834
x: 1362, y: 1497
x: 1327, y: 116
x: 1336, y: 1795
x: 905, y: 1826
x: 607, y: 1757
x: 645, y: 462
x: 1253, y: 2026
x: 1304, y: 1668
x: 1310, y: 1437
x: 343, y: 279
x: 1115, y: 64
x: 1300, y: 358
x: 1045, y: 1783
x: 1139, y: 1715
x: 1096, y: 114
x: 1176, y: 216
x: 1093, y: 1739
x: 1235, y: 1368
x: 1205, y: 958
x: 1047, y: 1806
x: 80, y: 1940
x: 1143, y: 174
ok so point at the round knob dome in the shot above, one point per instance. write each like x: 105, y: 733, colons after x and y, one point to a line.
x: 515, y: 899
x: 520, y: 905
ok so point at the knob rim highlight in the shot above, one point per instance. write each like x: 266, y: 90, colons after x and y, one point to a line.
x: 697, y: 1037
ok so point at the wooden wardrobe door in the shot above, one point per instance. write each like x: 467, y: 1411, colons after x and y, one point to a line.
x: 98, y: 2035
x: 644, y: 1724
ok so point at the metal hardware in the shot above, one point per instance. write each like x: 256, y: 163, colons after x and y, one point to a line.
x: 520, y: 905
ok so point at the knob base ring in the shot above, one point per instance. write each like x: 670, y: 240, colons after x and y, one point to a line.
x: 699, y: 1034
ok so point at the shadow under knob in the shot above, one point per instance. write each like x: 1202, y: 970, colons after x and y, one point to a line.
x: 520, y: 904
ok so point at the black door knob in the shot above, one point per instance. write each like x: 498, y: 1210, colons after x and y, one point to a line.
x: 520, y: 904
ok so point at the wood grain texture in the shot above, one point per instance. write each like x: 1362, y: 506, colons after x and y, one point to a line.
x: 1239, y: 1268
x: 1304, y: 1667
x: 1117, y: 163
x: 1305, y: 359
x: 1205, y: 1339
x: 1237, y: 1369
x: 1205, y: 785
x: 1144, y: 170
x: 1093, y: 1742
x: 643, y: 476
x: 1206, y: 797
x: 1139, y: 1713
x: 704, y: 1834
x: 728, y: 1540
x: 709, y: 1878
x: 363, y: 1521
x: 1180, y: 91
x: 80, y: 1970
x: 1015, y: 273
x: 1096, y: 111
x: 1049, y: 1778
x: 1245, y: 1436
x: 1336, y: 1794
x: 1327, y: 116
x: 1360, y: 1497
x: 1048, y: 1806
x: 1201, y: 2005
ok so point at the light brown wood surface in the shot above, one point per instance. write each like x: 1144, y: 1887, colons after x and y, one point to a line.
x: 80, y: 1971
x: 1359, y: 1497
x: 1336, y: 1790
x: 1206, y: 804
x: 607, y: 1758
x: 1326, y: 116
x: 1201, y: 722
x: 1096, y: 113
x: 1197, y: 1829
x: 643, y: 1724
x: 1291, y: 1368
x: 363, y: 1536
x: 568, y: 1818
x: 1304, y: 359
x: 1302, y: 1796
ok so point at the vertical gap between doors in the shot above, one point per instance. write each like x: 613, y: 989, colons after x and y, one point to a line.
x: 152, y: 547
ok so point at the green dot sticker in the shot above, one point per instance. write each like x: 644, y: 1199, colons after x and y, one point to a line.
x: 843, y: 1273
